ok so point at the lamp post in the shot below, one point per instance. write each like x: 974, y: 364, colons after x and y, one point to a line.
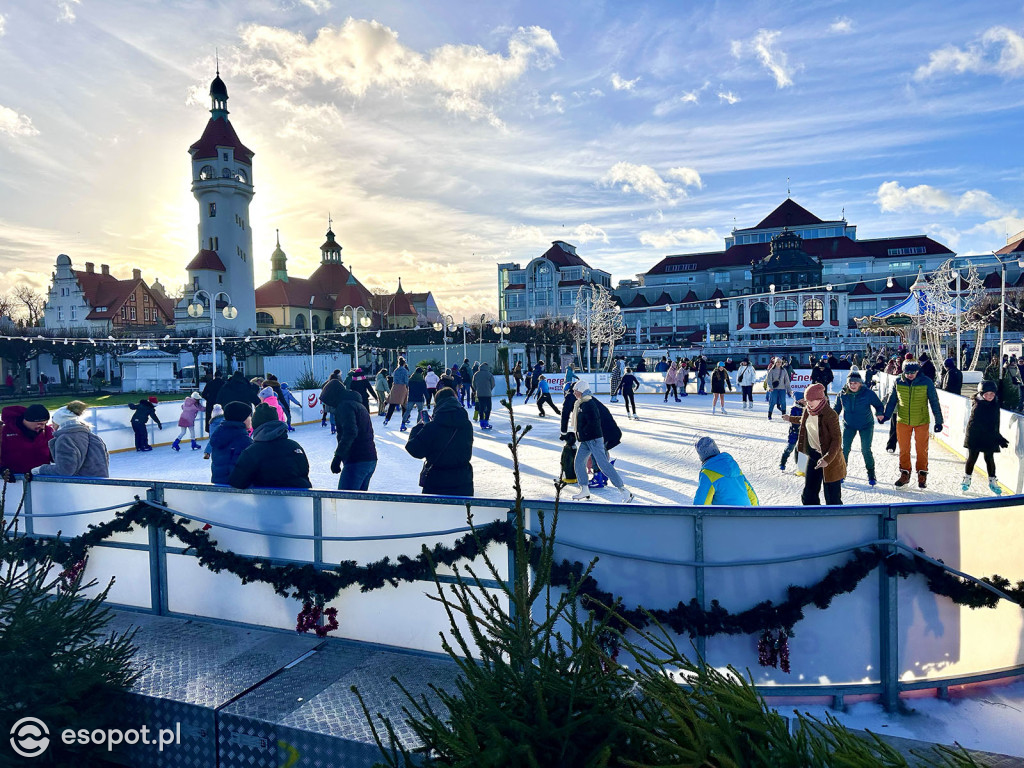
x: 465, y: 349
x: 501, y: 330
x: 1002, y: 302
x: 445, y: 324
x: 480, y: 341
x: 355, y: 316
x: 311, y: 336
x: 195, y: 309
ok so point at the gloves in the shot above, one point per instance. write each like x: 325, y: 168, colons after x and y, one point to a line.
x: 336, y: 466
x: 1003, y: 442
x: 323, y: 420
x: 938, y: 427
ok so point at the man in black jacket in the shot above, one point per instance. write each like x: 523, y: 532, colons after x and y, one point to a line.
x: 356, y: 450
x: 272, y: 461
x: 595, y: 431
x: 446, y: 444
x: 237, y: 389
x: 952, y: 378
x: 330, y: 396
x: 822, y: 374
x: 209, y: 394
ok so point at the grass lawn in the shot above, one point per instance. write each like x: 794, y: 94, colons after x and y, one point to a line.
x: 53, y: 402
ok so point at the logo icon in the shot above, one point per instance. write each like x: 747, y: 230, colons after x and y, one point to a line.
x: 311, y: 399
x: 30, y: 737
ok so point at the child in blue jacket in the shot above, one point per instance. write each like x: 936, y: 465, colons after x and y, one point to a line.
x: 794, y: 433
x: 721, y: 481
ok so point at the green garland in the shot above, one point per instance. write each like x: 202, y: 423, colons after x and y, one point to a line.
x: 311, y: 584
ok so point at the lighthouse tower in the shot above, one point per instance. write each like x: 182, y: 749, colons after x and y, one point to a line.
x: 222, y: 185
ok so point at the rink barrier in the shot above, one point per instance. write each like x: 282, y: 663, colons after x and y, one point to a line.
x: 886, y: 637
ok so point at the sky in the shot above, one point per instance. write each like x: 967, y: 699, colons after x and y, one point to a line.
x: 446, y: 137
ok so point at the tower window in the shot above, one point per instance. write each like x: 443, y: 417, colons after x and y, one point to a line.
x: 226, y: 173
x: 220, y: 278
x: 206, y: 173
x: 224, y: 155
x: 213, y: 210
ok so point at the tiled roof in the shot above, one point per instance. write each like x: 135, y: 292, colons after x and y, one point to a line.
x: 561, y: 257
x: 206, y: 260
x: 788, y: 214
x: 717, y: 294
x: 107, y: 291
x: 330, y: 289
x: 1017, y: 246
x: 515, y: 287
x: 862, y: 289
x: 638, y: 302
x: 220, y: 133
x: 690, y: 297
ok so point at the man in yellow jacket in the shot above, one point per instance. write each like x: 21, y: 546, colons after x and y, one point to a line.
x: 911, y: 399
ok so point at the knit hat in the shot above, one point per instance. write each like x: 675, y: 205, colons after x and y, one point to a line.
x: 237, y: 411
x: 909, y: 366
x: 949, y: 362
x: 64, y: 416
x: 36, y: 412
x: 152, y: 399
x: 987, y: 386
x: 217, y: 411
x: 706, y: 448
x: 580, y: 387
x: 855, y: 376
x: 196, y: 396
x: 444, y: 393
x: 266, y: 392
x: 908, y: 356
x: 815, y: 392
x: 263, y: 414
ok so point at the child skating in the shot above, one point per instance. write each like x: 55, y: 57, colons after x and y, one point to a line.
x: 187, y: 421
x: 983, y: 436
x: 216, y: 419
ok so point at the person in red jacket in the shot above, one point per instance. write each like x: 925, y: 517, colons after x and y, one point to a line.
x: 25, y: 439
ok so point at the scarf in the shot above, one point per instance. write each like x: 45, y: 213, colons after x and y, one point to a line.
x: 576, y: 409
x: 816, y: 394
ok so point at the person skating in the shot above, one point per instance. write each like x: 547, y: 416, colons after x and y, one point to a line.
x: 721, y: 482
x: 445, y: 443
x: 229, y: 440
x: 719, y: 381
x: 745, y: 377
x: 483, y: 383
x: 982, y: 437
x: 417, y: 397
x: 355, y: 458
x: 662, y: 366
x: 821, y: 440
x: 618, y: 370
x: 1009, y: 389
x: 570, y: 378
x: 909, y: 401
x: 854, y: 404
x: 545, y: 396
x: 777, y: 384
x: 671, y: 382
x: 272, y: 461
x: 794, y: 434
x: 76, y: 450
x: 517, y: 374
x: 187, y: 420
x: 952, y: 378
x: 465, y: 377
x: 431, y: 380
x: 399, y: 395
x: 209, y: 395
x: 25, y: 439
x: 380, y: 384
x: 287, y: 400
x: 822, y: 374
x: 361, y: 386
x: 144, y: 410
x: 268, y: 395
x: 628, y: 386
x: 683, y: 378
x: 330, y: 394
x: 236, y: 388
x: 701, y: 371
x: 567, y: 460
x: 588, y: 423
x: 927, y: 366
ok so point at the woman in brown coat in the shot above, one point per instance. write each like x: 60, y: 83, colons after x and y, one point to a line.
x: 822, y: 440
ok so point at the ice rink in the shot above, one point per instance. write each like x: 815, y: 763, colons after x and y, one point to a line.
x: 656, y: 457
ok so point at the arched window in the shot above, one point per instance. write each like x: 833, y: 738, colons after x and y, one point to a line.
x: 300, y: 322
x: 329, y: 323
x: 833, y: 310
x: 739, y: 314
x: 264, y: 318
x: 814, y: 310
x: 206, y: 173
x: 242, y: 176
x: 786, y: 311
x: 316, y: 322
x: 759, y: 313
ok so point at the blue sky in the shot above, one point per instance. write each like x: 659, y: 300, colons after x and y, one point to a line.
x: 444, y: 137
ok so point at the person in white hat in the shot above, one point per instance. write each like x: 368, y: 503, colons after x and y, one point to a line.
x: 187, y: 421
x: 596, y: 431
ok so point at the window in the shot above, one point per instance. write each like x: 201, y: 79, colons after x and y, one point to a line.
x: 915, y: 251
x: 264, y: 318
x: 214, y: 243
x: 513, y: 300
x: 60, y: 314
x: 131, y: 312
x: 132, y: 298
x: 220, y: 279
x: 74, y: 314
x: 145, y: 314
x: 225, y: 173
x: 300, y: 322
x: 565, y: 298
x: 243, y: 177
x: 212, y: 210
x: 692, y: 267
x: 316, y: 322
x: 813, y: 310
x: 145, y: 298
x: 833, y: 310
x: 786, y: 311
x: 759, y: 313
x: 739, y: 314
x: 124, y: 313
x: 900, y: 264
x: 722, y: 277
x: 206, y: 173
x: 225, y: 156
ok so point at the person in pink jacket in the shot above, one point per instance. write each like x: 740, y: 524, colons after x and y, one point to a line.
x: 268, y: 396
x: 187, y: 421
x: 671, y: 382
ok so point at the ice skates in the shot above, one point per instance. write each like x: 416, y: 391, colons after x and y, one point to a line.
x: 625, y: 495
x: 176, y: 445
x: 993, y: 485
x: 922, y: 479
x: 871, y: 477
x: 196, y: 446
x: 904, y: 478
x: 965, y: 484
x: 583, y: 494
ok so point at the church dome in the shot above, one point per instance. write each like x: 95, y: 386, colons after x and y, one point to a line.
x: 217, y: 88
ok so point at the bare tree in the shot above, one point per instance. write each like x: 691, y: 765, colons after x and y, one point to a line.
x: 30, y: 303
x: 8, y: 305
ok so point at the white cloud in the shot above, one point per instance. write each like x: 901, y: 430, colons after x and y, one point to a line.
x: 893, y: 197
x: 999, y: 51
x: 671, y: 238
x: 15, y: 124
x: 66, y: 10
x: 521, y: 233
x: 774, y: 60
x: 306, y: 121
x: 643, y: 180
x: 841, y: 26
x: 317, y: 6
x: 586, y: 233
x: 688, y: 176
x: 361, y: 55
x: 621, y: 84
x: 690, y: 97
x: 3, y: 24
x: 728, y: 97
x: 558, y: 102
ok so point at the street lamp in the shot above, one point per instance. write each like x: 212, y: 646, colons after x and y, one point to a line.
x: 356, y: 317
x: 195, y: 309
x: 480, y: 344
x: 446, y: 324
x: 311, y: 298
x: 1002, y: 302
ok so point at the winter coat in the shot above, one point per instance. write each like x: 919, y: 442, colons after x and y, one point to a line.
x: 794, y: 426
x: 361, y: 386
x: 330, y: 395
x: 822, y: 374
x: 983, y: 427
x: 567, y: 408
x: 144, y: 411
x: 225, y: 446
x: 778, y: 378
x: 21, y: 450
x: 399, y: 394
x: 212, y: 390
x: 746, y: 376
x: 1009, y: 388
x: 273, y: 403
x: 272, y: 461
x: 831, y: 438
x: 431, y: 378
x: 381, y: 384
x: 355, y: 430
x: 629, y: 383
x: 594, y: 421
x: 722, y: 483
x: 417, y: 388
x: 719, y: 381
x: 483, y: 381
x: 928, y: 369
x: 238, y: 389
x: 911, y: 400
x: 77, y: 452
x: 856, y: 407
x: 189, y: 410
x: 671, y: 376
x: 401, y: 376
x: 701, y: 367
x: 288, y: 399
x: 661, y: 367
x: 617, y: 375
x: 952, y: 380
x: 446, y: 445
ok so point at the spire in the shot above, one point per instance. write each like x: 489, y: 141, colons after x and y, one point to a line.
x: 278, y: 262
x: 399, y: 291
x: 330, y: 251
x: 218, y: 97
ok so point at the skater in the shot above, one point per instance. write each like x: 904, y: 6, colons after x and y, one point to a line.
x: 445, y: 443
x: 287, y: 400
x: 216, y: 420
x: 229, y: 440
x: 822, y: 373
x: 269, y: 396
x: 209, y: 394
x: 431, y: 380
x: 927, y: 366
x: 854, y: 403
x: 700, y: 367
x: 821, y: 440
x: 683, y: 377
x: 329, y: 397
x: 145, y: 410
x: 25, y: 439
x: 417, y: 397
x: 721, y: 483
x: 777, y: 385
x: 1009, y: 389
x: 529, y: 386
x: 355, y: 458
x: 362, y: 387
x: 380, y: 385
x: 588, y: 423
x: 77, y: 451
x: 545, y: 396
x: 399, y: 391
x: 466, y: 377
x: 272, y: 461
x: 618, y: 368
x: 187, y: 421
x: 570, y: 378
x: 671, y: 380
x: 719, y: 380
x: 983, y: 436
x: 745, y: 376
x: 909, y: 401
x: 568, y: 459
x: 237, y: 388
x: 952, y: 378
x: 794, y: 433
x: 517, y: 374
x: 629, y: 385
x: 483, y: 383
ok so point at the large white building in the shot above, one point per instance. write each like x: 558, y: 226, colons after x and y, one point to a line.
x: 222, y: 183
x: 547, y: 286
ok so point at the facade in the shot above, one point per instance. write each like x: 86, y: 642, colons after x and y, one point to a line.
x: 547, y: 286
x: 222, y: 184
x: 427, y: 311
x: 91, y: 301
